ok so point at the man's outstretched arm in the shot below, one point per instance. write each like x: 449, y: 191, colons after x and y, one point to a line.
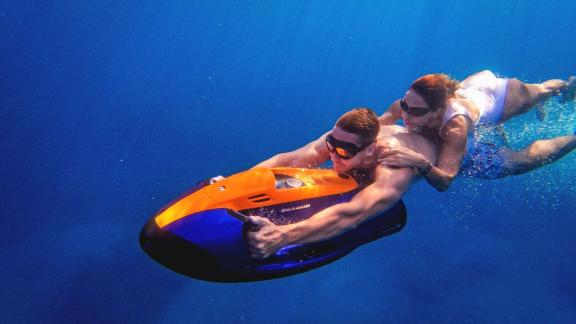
x: 378, y: 197
x: 309, y: 156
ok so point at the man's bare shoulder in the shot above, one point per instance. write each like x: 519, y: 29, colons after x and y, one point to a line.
x: 401, y: 136
x: 394, y: 136
x: 392, y: 129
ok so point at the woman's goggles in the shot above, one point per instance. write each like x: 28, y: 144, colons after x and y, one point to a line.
x: 413, y: 110
x: 344, y: 150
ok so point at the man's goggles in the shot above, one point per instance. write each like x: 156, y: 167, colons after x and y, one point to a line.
x: 344, y: 150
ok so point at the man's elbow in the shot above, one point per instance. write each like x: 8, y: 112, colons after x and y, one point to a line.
x: 386, y: 200
x: 355, y: 214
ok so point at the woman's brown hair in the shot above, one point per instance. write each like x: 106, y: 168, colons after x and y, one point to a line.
x: 436, y: 89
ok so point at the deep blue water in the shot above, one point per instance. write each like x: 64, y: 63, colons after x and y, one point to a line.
x: 110, y: 109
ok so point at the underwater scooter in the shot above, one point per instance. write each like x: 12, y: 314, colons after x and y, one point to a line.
x: 201, y: 234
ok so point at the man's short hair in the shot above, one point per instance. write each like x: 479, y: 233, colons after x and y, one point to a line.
x: 360, y: 121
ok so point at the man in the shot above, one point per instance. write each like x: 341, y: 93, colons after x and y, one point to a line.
x: 353, y: 145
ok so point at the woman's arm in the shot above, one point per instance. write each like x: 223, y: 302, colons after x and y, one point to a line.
x: 452, y: 149
x: 390, y: 116
x: 450, y: 153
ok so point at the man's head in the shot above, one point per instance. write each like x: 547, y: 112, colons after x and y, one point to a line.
x: 351, y: 141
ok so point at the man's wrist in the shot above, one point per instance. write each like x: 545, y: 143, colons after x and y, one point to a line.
x: 290, y: 232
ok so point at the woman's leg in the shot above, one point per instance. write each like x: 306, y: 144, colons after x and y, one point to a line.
x: 537, y: 154
x: 521, y: 97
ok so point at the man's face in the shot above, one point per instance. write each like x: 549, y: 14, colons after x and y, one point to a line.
x: 341, y: 164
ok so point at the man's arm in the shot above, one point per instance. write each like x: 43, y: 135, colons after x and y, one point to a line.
x: 311, y: 155
x: 390, y: 116
x: 378, y: 197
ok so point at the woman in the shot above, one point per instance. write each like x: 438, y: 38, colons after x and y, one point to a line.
x: 449, y: 112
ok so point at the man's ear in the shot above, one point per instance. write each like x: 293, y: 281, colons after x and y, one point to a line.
x: 371, y: 149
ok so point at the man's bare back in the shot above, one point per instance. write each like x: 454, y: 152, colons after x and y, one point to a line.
x: 398, y: 137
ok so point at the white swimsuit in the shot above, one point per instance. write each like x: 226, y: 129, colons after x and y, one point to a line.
x: 482, y: 160
x: 487, y: 92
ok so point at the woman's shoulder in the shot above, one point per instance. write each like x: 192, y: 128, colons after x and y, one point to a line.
x: 460, y: 114
x: 457, y: 128
x: 463, y: 105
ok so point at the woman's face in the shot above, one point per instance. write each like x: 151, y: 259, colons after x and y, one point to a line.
x: 413, y: 105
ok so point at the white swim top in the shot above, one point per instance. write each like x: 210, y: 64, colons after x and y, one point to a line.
x: 487, y: 92
x: 454, y: 109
